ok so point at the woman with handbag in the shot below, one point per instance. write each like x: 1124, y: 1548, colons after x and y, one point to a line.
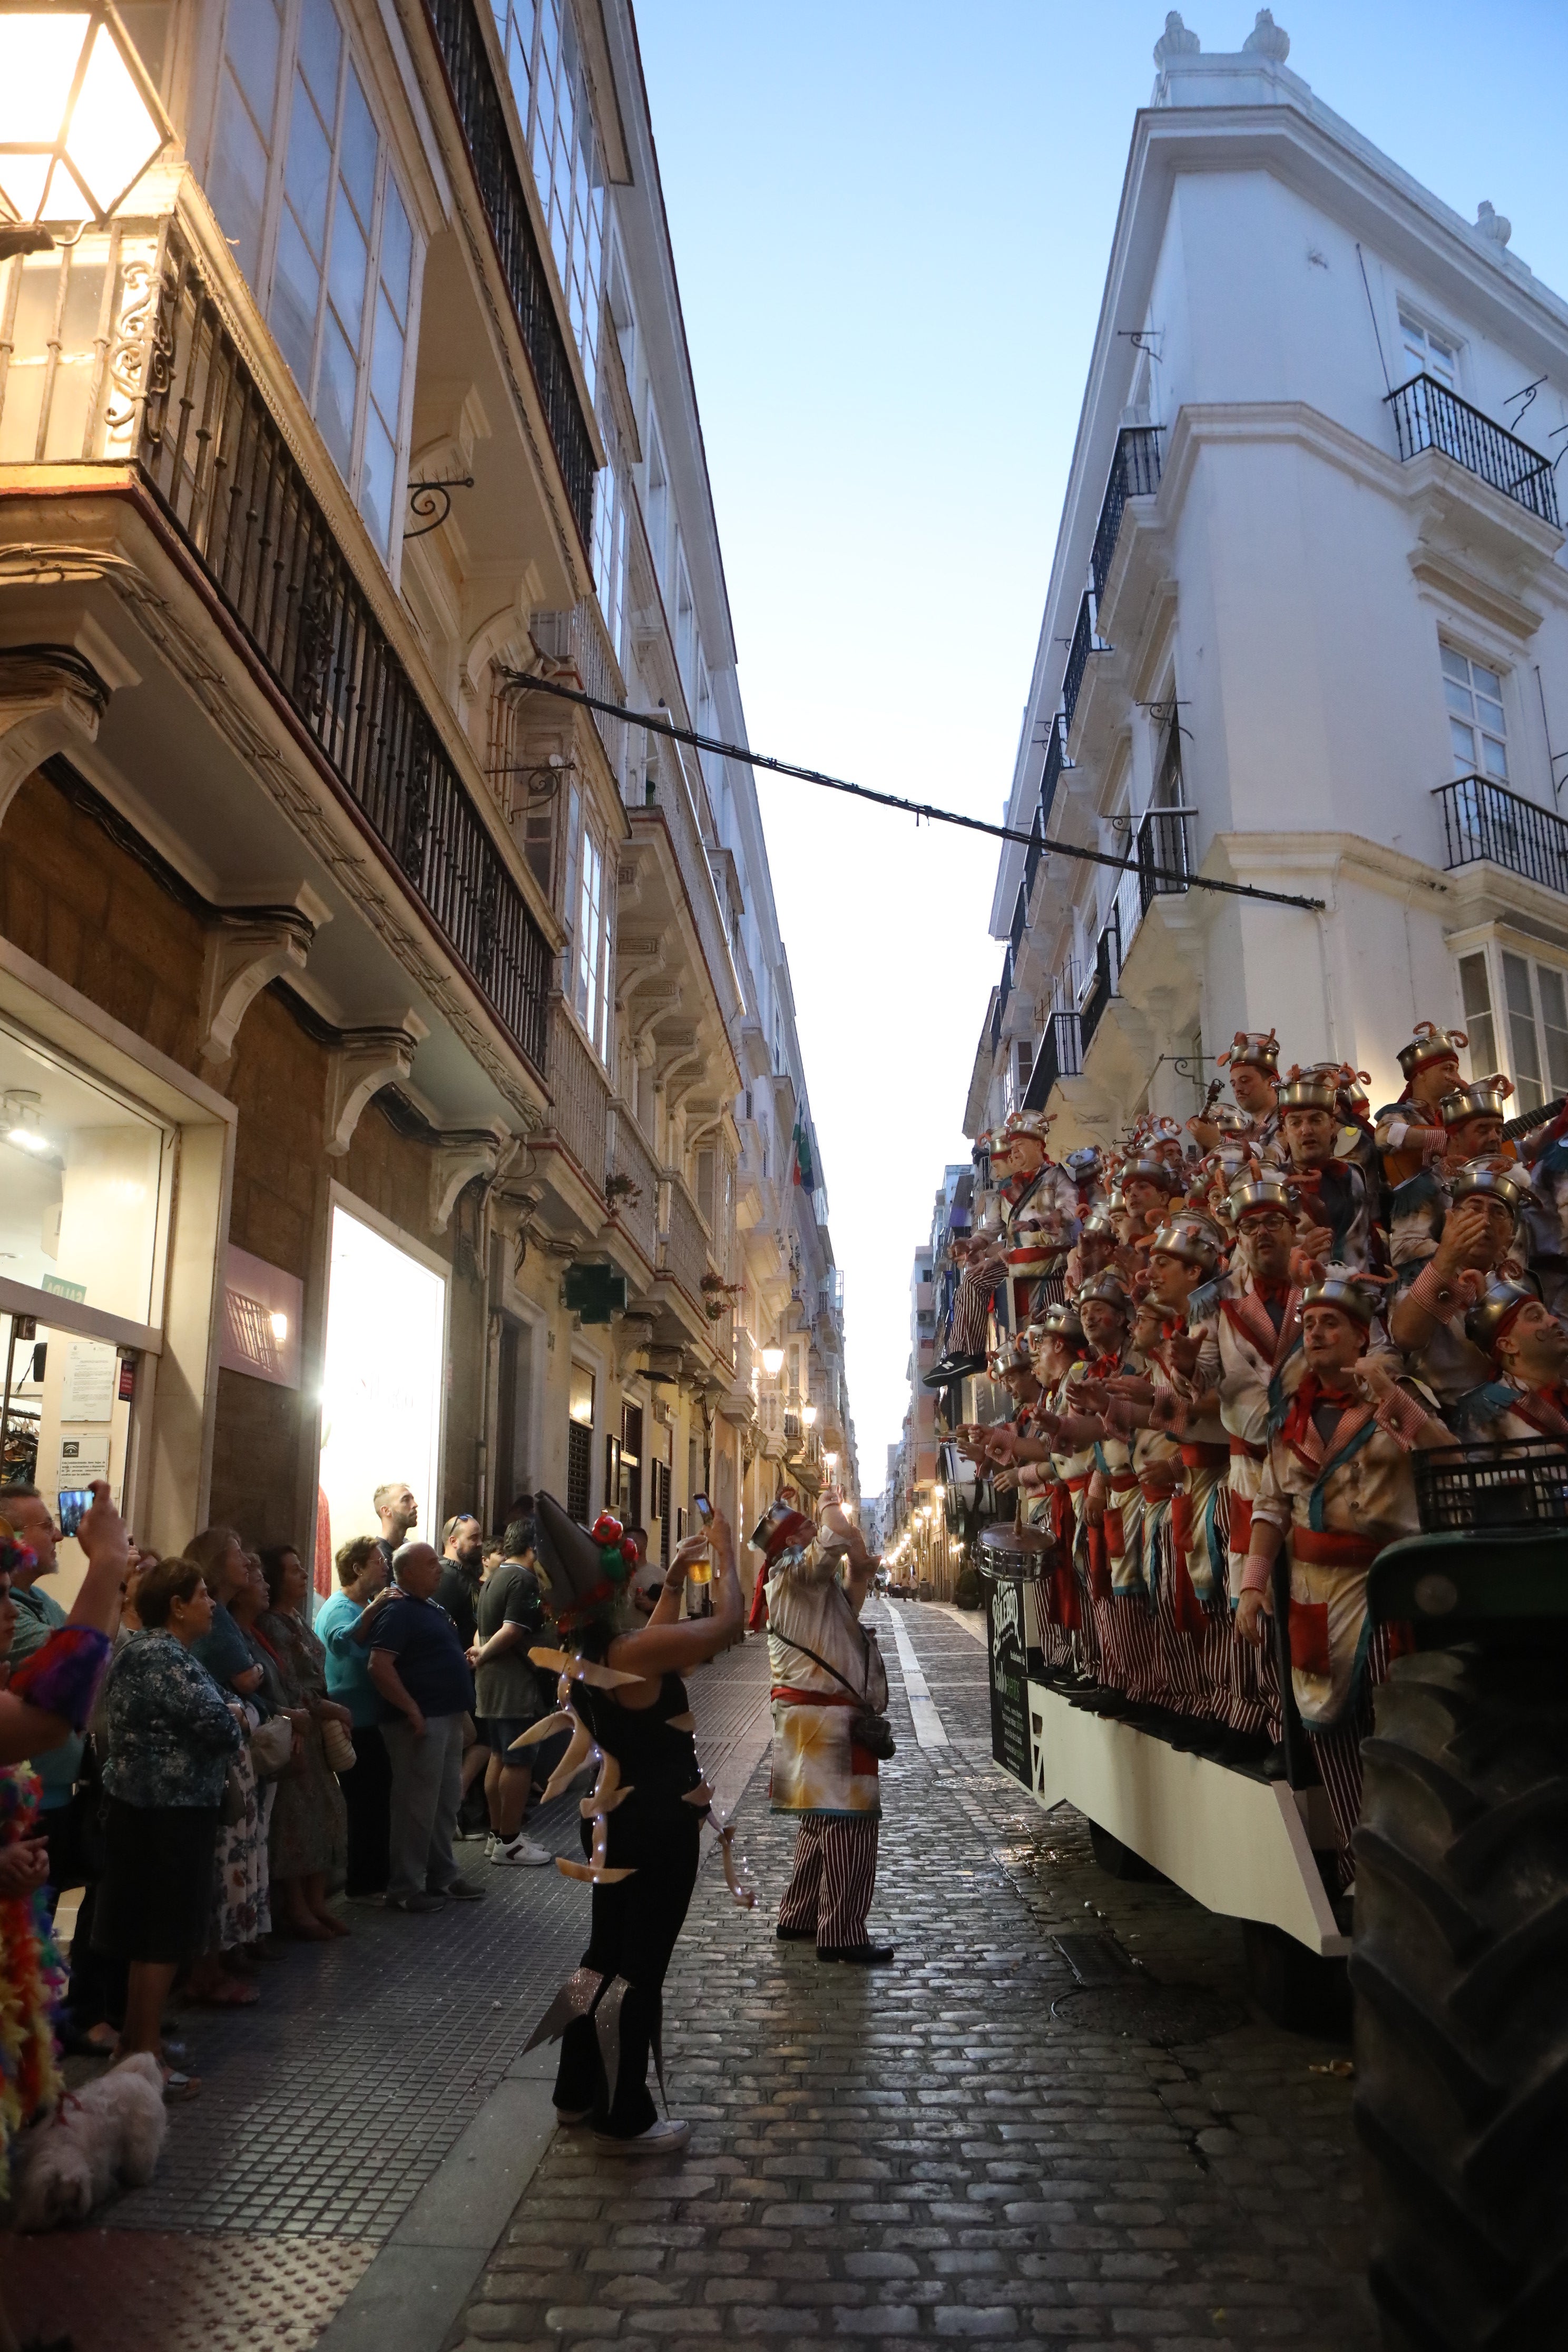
x: 829, y: 1691
x: 171, y: 1734
x: 309, y: 1839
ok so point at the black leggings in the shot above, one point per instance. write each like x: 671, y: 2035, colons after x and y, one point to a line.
x: 635, y: 1924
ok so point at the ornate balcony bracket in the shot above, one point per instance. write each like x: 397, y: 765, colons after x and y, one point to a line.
x: 363, y: 1062
x: 485, y: 1151
x: 244, y: 952
x: 51, y: 700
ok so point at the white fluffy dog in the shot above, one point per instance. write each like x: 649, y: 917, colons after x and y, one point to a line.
x: 112, y: 2131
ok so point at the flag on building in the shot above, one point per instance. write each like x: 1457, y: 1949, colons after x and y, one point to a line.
x: 803, y: 1171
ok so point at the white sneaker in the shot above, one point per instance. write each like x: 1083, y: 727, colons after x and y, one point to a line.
x: 491, y: 1841
x: 665, y: 2138
x: 520, y: 1854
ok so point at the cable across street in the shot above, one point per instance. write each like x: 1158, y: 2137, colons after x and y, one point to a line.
x: 656, y: 725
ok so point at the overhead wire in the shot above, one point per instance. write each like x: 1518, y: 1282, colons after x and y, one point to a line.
x: 1178, y: 877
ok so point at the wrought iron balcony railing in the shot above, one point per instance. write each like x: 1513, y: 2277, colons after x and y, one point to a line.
x: 1107, y: 979
x: 481, y: 117
x: 1056, y: 765
x: 1060, y: 1056
x: 1427, y: 415
x: 1482, y: 819
x: 1163, y: 844
x: 211, y: 449
x: 1134, y: 474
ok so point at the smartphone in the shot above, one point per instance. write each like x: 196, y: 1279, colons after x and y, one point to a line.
x: 73, y: 1503
x: 702, y: 1570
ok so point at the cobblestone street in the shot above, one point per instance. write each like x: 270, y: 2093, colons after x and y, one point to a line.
x: 982, y: 2142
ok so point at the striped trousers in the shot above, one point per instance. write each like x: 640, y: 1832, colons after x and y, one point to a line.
x: 835, y: 1878
x: 1338, y: 1752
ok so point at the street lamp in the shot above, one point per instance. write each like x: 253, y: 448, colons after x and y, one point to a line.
x: 772, y: 1360
x: 808, y: 1415
x: 80, y: 120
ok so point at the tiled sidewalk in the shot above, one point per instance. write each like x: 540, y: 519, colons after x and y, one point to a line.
x: 327, y: 2107
x: 947, y: 2150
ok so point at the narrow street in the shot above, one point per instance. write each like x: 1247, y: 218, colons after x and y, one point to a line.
x: 1000, y: 2138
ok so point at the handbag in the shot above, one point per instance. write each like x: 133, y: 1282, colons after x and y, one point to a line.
x: 339, y: 1746
x: 271, y: 1747
x: 869, y: 1726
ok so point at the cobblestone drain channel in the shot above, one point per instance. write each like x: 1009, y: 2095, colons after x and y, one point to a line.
x: 929, y: 2154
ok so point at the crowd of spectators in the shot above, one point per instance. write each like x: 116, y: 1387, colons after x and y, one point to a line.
x: 249, y: 1768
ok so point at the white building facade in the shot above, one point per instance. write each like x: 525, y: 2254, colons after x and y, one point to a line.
x: 1306, y: 629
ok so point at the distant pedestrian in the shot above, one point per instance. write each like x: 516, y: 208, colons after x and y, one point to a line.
x: 421, y: 1672
x: 345, y: 1624
x: 511, y: 1694
x: 39, y: 1614
x: 399, y: 1515
x: 309, y: 1835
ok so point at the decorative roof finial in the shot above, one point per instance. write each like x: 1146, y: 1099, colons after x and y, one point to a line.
x: 1175, y: 40
x: 1493, y: 224
x: 1268, y: 40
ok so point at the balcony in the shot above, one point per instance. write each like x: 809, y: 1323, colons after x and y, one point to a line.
x: 580, y: 1098
x: 635, y: 1212
x: 1427, y: 415
x: 1164, y: 867
x: 1482, y: 820
x: 1056, y: 765
x: 683, y: 1244
x: 481, y: 117
x: 186, y: 410
x: 1134, y: 474
x: 1103, y: 986
x: 1060, y: 1056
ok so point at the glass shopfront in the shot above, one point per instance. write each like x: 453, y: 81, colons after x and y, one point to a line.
x: 384, y: 1380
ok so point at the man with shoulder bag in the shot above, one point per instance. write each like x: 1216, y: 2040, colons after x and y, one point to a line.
x: 830, y: 1728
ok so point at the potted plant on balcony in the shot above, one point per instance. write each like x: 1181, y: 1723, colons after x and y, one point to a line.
x: 717, y: 1294
x: 621, y: 1191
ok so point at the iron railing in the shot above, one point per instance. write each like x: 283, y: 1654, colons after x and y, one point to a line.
x: 1083, y: 645
x: 580, y: 1096
x: 1060, y: 1056
x: 1056, y: 764
x: 1134, y: 474
x: 1107, y: 976
x: 1482, y: 819
x: 629, y: 1156
x: 481, y: 117
x: 683, y: 1244
x: 1020, y: 922
x: 1162, y: 844
x: 1427, y: 415
x: 218, y: 461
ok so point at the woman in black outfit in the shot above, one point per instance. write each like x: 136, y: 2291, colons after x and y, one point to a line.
x: 614, y: 2003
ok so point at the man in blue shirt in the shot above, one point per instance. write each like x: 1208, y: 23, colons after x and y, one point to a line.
x: 420, y: 1669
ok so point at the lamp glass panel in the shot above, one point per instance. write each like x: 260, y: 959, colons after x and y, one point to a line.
x: 113, y: 136
x: 23, y: 179
x: 38, y: 64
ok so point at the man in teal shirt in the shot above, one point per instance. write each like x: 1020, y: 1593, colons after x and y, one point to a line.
x: 38, y: 1614
x: 344, y: 1625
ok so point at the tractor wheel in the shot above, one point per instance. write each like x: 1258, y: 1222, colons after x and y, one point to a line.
x: 1460, y: 1971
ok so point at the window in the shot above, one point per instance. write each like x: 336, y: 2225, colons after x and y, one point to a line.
x: 610, y: 550
x: 1534, y: 1003
x: 300, y: 180
x: 1477, y: 730
x: 544, y: 67
x: 592, y: 946
x: 580, y: 1444
x: 1429, y: 352
x: 705, y: 1188
x: 658, y: 498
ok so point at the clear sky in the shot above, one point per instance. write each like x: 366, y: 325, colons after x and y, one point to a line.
x: 891, y: 221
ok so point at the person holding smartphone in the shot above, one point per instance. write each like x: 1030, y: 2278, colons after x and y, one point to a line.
x: 645, y: 1725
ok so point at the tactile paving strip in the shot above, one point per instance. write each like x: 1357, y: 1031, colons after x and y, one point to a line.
x: 152, y: 2290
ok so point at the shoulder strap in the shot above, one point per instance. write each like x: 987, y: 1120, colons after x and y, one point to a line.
x: 815, y: 1661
